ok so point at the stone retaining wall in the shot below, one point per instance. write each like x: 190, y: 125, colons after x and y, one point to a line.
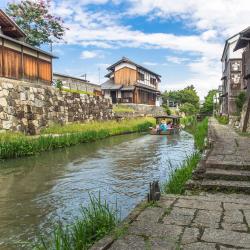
x: 29, y: 107
x: 141, y: 110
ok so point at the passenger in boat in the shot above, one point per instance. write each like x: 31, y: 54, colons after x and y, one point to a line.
x: 170, y: 125
x: 163, y: 126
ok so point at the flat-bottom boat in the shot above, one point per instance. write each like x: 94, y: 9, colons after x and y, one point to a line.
x: 175, y: 120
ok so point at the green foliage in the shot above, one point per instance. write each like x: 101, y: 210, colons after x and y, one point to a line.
x: 122, y: 109
x: 200, y: 133
x: 240, y: 100
x: 96, y: 221
x: 59, y: 84
x: 166, y: 108
x: 223, y: 119
x: 77, y: 91
x: 19, y: 145
x: 188, y: 109
x: 188, y: 121
x: 34, y: 18
x: 208, y: 105
x: 186, y: 95
x: 178, y: 177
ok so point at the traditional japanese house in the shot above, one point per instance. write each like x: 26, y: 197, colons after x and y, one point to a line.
x: 232, y: 80
x: 131, y: 83
x: 244, y: 43
x: 19, y: 60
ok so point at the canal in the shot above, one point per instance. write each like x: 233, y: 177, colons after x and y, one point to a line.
x: 36, y: 192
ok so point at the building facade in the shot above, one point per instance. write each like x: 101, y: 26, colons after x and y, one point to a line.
x: 19, y: 60
x: 77, y: 83
x: 129, y: 82
x: 244, y: 43
x: 232, y: 80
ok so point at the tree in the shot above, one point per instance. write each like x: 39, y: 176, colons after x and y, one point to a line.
x: 34, y: 18
x: 207, y: 107
x: 188, y: 109
x: 186, y: 95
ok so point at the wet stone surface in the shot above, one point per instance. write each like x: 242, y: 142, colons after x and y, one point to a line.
x: 215, y: 221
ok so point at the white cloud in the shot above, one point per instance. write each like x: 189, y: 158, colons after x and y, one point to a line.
x: 213, y: 21
x: 150, y: 63
x: 177, y: 60
x: 86, y: 54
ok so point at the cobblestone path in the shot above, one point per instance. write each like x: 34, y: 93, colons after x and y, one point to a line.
x: 191, y: 222
x: 227, y: 166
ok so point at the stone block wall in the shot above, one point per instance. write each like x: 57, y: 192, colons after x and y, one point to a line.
x: 141, y: 110
x: 29, y: 107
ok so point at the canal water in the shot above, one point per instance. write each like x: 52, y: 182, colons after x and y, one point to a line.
x: 36, y: 192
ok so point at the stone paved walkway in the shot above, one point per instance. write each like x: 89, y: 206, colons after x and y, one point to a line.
x: 191, y: 222
x: 227, y: 166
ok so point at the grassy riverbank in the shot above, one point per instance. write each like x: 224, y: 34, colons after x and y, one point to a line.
x: 13, y: 145
x: 178, y: 177
x: 95, y: 221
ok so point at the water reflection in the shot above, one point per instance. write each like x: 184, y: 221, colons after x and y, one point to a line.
x: 36, y: 191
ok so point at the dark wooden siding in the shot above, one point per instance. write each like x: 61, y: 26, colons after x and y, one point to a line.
x: 18, y: 65
x: 30, y: 67
x: 12, y: 63
x: 44, y: 69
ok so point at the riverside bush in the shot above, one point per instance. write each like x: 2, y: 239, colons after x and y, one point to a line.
x: 178, y: 177
x: 14, y: 145
x: 95, y: 221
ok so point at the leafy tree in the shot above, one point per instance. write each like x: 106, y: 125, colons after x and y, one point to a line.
x: 166, y: 109
x: 34, y: 18
x: 188, y: 109
x: 207, y: 107
x: 186, y: 95
x: 240, y: 100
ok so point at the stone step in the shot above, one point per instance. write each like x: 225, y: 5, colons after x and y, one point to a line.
x: 227, y: 165
x: 223, y: 185
x: 222, y: 174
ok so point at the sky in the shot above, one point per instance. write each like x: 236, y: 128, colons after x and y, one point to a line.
x: 182, y: 40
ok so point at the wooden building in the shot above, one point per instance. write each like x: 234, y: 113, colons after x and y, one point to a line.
x: 131, y: 83
x: 19, y: 60
x: 244, y: 43
x: 232, y: 80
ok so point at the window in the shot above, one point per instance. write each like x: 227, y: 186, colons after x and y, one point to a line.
x: 141, y: 76
x: 153, y: 81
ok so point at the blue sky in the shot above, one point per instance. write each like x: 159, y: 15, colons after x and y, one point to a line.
x: 182, y: 40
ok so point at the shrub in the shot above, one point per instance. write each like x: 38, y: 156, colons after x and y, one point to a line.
x: 223, y: 119
x: 240, y: 100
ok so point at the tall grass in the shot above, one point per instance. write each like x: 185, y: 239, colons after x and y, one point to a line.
x: 178, y: 177
x: 18, y: 145
x: 95, y: 221
x: 200, y: 134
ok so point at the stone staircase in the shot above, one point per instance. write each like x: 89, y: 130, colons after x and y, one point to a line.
x: 226, y: 167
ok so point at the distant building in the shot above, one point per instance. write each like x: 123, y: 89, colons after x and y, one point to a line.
x: 244, y: 43
x: 232, y: 80
x: 131, y: 83
x: 77, y: 83
x: 19, y: 60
